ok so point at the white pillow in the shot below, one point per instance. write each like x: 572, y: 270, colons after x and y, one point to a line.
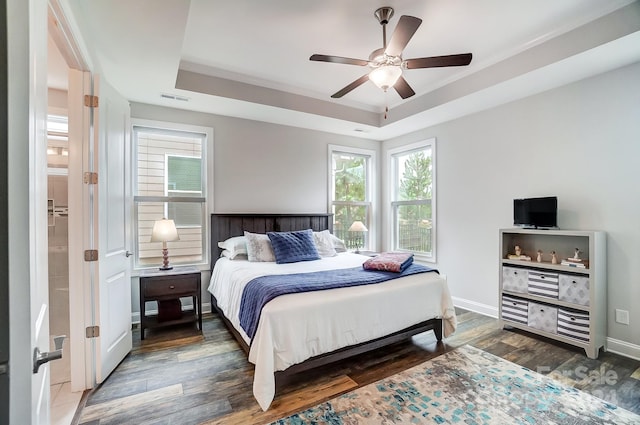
x: 259, y: 247
x: 230, y: 256
x: 324, y: 244
x: 338, y: 244
x: 236, y: 245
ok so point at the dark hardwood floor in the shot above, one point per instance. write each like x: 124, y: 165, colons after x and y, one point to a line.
x: 179, y: 376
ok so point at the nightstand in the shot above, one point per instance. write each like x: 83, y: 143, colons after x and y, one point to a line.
x: 167, y: 287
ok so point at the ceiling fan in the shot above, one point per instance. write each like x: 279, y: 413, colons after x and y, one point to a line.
x: 387, y: 63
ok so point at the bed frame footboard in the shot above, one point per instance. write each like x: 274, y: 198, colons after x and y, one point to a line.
x: 284, y: 376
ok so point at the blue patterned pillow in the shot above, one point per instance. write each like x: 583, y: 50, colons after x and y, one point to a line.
x: 291, y: 247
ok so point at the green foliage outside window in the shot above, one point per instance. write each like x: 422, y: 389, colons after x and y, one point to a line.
x: 414, y: 220
x: 349, y: 175
x: 350, y: 186
x: 416, y: 179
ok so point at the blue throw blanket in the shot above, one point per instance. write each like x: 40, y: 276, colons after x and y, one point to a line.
x: 261, y: 290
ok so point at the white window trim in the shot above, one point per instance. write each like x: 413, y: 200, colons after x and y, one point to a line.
x: 391, y: 166
x: 207, y: 155
x: 372, y: 173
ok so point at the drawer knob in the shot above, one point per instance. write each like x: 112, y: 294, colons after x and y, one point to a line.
x: 574, y: 282
x: 542, y: 310
x: 573, y: 319
x: 172, y: 287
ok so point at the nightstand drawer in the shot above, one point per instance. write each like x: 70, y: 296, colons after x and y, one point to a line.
x: 168, y: 287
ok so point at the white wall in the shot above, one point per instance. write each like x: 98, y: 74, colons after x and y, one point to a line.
x: 581, y: 143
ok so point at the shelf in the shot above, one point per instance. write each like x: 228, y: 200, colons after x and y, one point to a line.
x: 188, y: 316
x: 547, y: 300
x: 545, y: 265
x: 576, y: 342
x: 552, y: 284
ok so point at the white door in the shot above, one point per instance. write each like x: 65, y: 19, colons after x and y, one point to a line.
x: 99, y: 291
x: 113, y: 299
x: 26, y: 206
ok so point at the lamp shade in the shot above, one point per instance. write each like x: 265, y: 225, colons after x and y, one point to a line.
x: 358, y: 226
x: 385, y: 76
x: 164, y: 231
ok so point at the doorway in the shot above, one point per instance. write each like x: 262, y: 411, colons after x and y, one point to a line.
x: 58, y: 226
x: 64, y: 401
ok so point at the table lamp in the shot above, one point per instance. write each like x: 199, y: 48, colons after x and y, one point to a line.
x: 359, y: 227
x: 164, y: 231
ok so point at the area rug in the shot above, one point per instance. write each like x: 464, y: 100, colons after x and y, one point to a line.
x: 464, y: 386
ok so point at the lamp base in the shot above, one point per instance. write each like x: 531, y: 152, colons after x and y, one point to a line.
x: 165, y: 260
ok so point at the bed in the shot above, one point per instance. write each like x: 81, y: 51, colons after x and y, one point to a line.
x: 300, y: 331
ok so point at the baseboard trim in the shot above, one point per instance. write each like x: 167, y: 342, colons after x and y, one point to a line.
x: 614, y: 346
x: 476, y: 307
x: 623, y: 348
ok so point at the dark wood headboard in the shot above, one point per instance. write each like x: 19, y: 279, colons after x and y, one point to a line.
x: 226, y: 225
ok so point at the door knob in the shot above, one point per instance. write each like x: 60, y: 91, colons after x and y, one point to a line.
x: 128, y: 254
x: 40, y: 358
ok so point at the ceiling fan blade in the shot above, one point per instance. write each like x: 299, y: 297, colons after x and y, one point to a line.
x: 438, y: 61
x: 351, y: 86
x: 403, y: 88
x: 407, y: 26
x: 338, y: 59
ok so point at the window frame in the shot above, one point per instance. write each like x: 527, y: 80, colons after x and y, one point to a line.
x: 206, y: 200
x: 394, y: 203
x: 370, y: 238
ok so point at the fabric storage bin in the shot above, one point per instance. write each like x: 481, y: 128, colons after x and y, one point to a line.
x: 514, y: 279
x: 515, y: 309
x: 544, y: 284
x: 543, y: 317
x: 574, y: 289
x: 573, y: 324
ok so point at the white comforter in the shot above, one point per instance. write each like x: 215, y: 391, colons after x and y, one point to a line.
x: 295, y: 327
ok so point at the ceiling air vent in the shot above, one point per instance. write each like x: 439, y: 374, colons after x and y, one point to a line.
x: 174, y: 97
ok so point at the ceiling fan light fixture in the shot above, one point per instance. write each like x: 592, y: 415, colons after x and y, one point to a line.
x: 385, y: 76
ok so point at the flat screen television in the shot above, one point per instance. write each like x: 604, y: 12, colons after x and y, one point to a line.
x: 536, y: 212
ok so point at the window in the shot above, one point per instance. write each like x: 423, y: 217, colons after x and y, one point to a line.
x: 170, y: 182
x: 413, y: 198
x: 350, y: 197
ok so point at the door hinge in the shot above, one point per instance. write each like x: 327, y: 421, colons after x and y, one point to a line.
x: 91, y: 101
x: 4, y: 368
x: 90, y: 255
x: 90, y: 178
x: 92, y: 331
